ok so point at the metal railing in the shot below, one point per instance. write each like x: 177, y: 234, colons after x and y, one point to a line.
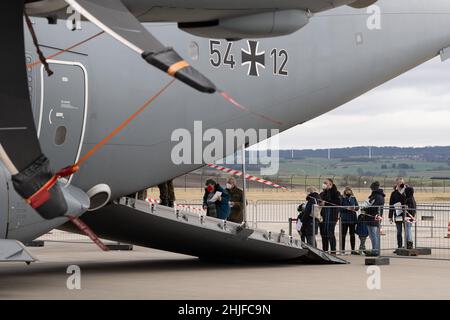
x: 430, y: 233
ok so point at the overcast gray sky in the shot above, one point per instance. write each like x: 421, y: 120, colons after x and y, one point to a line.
x: 411, y: 110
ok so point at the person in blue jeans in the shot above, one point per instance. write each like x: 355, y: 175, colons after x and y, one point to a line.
x: 349, y: 218
x: 372, y: 214
x: 396, y: 213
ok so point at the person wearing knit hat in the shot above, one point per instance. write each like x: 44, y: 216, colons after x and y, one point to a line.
x: 375, y: 186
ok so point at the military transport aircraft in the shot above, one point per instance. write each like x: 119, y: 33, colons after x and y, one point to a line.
x: 238, y: 64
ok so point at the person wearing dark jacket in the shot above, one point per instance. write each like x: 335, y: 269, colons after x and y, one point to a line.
x: 396, y: 212
x: 348, y: 218
x: 411, y: 210
x: 372, y: 216
x: 310, y: 225
x: 216, y: 200
x: 236, y: 201
x: 363, y: 233
x: 330, y: 198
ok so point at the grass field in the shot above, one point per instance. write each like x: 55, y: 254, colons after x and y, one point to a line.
x: 339, y: 167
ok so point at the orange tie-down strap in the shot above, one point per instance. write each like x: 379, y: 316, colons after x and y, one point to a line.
x: 43, y: 194
x: 88, y: 231
x: 177, y: 67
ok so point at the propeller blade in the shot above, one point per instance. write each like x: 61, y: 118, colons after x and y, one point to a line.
x: 115, y: 19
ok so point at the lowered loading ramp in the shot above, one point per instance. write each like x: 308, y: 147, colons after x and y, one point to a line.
x: 148, y: 225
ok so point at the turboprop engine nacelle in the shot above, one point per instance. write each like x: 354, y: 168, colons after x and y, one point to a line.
x: 261, y: 25
x: 19, y: 221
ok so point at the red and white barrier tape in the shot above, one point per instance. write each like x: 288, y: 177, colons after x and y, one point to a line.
x: 191, y: 208
x: 150, y: 200
x: 410, y: 218
x: 247, y: 176
x: 179, y: 206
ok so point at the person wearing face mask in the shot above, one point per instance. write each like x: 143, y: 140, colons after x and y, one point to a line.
x: 236, y: 201
x: 330, y: 197
x: 349, y: 218
x: 396, y: 213
x: 216, y: 200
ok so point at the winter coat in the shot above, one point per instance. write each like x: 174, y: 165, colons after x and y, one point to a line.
x: 361, y: 227
x: 349, y: 216
x: 332, y: 197
x: 396, y: 197
x: 306, y: 215
x: 377, y: 200
x: 222, y: 205
x: 237, y: 211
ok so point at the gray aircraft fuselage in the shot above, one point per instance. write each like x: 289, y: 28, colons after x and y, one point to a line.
x: 332, y: 60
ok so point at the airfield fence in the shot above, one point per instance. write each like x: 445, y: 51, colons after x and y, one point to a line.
x: 430, y: 231
x: 431, y: 228
x: 301, y: 182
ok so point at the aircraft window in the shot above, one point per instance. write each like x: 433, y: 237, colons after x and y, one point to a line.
x: 193, y: 50
x: 60, y: 136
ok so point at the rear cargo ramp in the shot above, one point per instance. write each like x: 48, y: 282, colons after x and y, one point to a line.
x: 149, y: 225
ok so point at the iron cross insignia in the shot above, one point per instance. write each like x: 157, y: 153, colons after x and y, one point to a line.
x: 253, y: 58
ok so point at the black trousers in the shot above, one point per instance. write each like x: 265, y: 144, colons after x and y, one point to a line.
x: 348, y: 227
x: 167, y: 193
x: 328, y: 237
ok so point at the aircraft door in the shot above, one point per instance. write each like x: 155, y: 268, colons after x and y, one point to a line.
x: 63, y: 110
x: 4, y: 203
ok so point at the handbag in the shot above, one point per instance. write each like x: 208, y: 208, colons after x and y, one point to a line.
x: 298, y: 226
x: 315, y: 212
x: 398, y: 212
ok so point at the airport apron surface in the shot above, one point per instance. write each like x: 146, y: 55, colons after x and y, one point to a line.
x: 63, y: 109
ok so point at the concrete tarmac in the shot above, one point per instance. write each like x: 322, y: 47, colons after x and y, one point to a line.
x: 150, y: 274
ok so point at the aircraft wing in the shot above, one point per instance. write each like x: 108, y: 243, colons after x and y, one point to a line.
x: 323, y: 5
x: 115, y: 19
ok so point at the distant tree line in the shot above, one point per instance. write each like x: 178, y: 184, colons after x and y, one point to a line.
x: 427, y: 153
